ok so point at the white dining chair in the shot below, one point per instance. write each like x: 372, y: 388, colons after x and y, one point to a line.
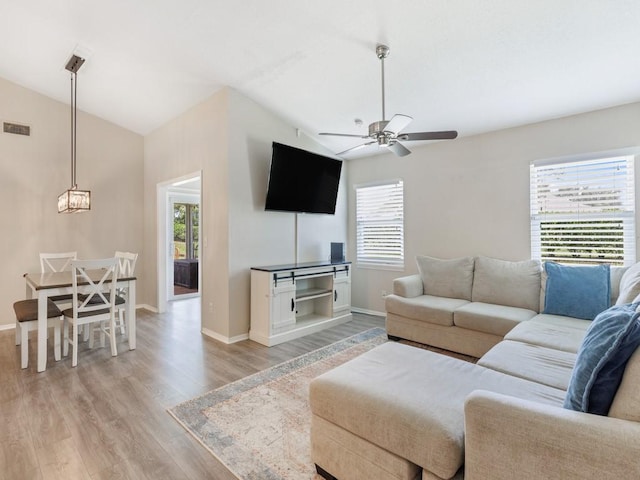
x: 126, y: 268
x: 27, y: 320
x: 93, y: 301
x: 57, y: 262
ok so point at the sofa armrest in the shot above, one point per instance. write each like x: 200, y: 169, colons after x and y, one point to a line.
x: 507, y: 438
x: 408, y: 287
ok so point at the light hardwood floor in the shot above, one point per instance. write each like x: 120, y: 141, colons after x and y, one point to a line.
x: 107, y: 419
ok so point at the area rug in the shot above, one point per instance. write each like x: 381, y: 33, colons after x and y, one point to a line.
x: 258, y: 427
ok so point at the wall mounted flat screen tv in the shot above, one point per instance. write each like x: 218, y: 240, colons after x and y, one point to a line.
x: 301, y: 181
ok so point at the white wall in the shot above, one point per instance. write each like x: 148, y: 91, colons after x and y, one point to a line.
x: 470, y: 196
x: 229, y: 138
x: 34, y: 170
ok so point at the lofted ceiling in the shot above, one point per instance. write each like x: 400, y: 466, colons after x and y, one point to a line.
x: 469, y: 65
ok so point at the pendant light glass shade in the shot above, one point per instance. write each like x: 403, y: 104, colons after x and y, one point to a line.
x: 74, y: 200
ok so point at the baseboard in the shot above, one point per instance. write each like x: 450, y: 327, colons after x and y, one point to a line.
x: 147, y: 307
x: 368, y: 312
x: 8, y: 326
x: 222, y: 338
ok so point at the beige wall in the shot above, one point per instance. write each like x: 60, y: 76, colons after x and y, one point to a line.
x: 34, y: 170
x: 470, y: 196
x: 195, y: 141
x: 229, y: 138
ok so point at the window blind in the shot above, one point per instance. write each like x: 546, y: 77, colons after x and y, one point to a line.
x: 380, y: 224
x: 584, y: 212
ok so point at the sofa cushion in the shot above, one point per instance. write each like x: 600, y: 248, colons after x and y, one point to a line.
x: 577, y: 291
x: 410, y: 401
x: 612, y: 338
x: 551, y: 335
x: 438, y: 310
x: 532, y: 362
x: 514, y: 284
x: 489, y: 318
x: 561, y: 320
x: 629, y: 286
x: 446, y: 278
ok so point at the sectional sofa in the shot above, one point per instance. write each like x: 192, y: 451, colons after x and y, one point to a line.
x: 525, y: 410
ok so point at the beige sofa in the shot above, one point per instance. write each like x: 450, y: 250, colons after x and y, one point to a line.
x: 401, y: 412
x: 468, y: 305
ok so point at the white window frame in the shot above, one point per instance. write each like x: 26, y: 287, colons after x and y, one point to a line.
x: 380, y: 206
x: 568, y: 196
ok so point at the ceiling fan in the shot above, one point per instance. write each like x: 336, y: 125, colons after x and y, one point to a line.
x: 387, y: 133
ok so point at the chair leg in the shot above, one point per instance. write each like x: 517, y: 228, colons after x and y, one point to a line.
x: 112, y: 336
x: 102, y: 332
x: 18, y: 339
x: 121, y: 321
x: 56, y: 341
x: 74, y: 343
x: 65, y: 341
x: 88, y: 330
x: 24, y: 346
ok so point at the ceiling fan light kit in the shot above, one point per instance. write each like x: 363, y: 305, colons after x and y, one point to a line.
x: 386, y: 133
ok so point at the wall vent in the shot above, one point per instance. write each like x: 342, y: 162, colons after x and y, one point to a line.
x: 16, y: 128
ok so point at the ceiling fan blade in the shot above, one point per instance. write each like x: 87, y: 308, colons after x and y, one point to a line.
x: 357, y: 147
x: 444, y: 135
x: 399, y: 149
x: 397, y: 123
x: 344, y: 135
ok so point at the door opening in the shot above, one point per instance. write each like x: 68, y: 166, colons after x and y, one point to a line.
x: 186, y: 221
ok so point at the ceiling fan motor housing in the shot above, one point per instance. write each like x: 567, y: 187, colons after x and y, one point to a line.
x: 376, y: 128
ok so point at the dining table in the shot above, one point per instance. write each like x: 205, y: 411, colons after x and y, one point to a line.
x: 45, y: 285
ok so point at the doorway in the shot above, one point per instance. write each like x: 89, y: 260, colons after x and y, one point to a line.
x: 186, y: 221
x: 179, y: 231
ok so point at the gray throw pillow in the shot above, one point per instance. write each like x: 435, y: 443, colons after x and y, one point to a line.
x: 446, y: 278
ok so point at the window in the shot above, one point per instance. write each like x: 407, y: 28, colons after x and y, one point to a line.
x: 583, y: 212
x: 380, y: 224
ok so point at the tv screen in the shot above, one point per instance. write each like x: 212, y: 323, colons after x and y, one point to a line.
x: 301, y: 181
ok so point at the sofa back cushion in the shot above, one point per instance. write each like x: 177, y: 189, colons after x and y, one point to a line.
x: 446, y: 278
x: 514, y: 284
x: 629, y: 285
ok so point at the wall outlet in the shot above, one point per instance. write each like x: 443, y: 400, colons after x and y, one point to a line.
x: 383, y: 293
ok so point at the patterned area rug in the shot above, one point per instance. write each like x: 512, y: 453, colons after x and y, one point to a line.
x: 258, y: 427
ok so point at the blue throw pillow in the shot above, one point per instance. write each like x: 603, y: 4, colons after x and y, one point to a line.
x: 576, y: 291
x: 608, y: 344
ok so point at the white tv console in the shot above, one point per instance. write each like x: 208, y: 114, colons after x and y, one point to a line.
x: 290, y: 301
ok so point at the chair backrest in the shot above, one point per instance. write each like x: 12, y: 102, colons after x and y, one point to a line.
x: 126, y: 263
x: 56, y: 262
x: 96, y: 280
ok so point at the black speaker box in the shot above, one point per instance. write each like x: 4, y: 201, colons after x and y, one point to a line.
x: 337, y: 252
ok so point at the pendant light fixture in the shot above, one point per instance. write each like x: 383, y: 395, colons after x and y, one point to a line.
x: 74, y: 200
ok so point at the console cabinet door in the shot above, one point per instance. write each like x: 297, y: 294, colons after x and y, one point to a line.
x: 341, y: 295
x: 283, y: 304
